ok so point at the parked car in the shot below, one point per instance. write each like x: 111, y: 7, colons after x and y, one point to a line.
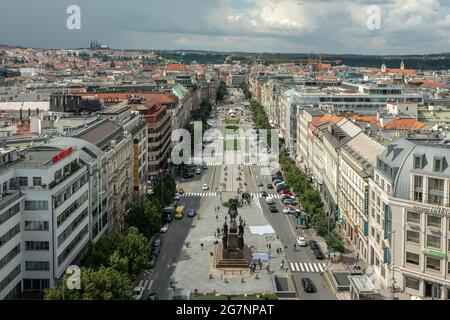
x: 259, y: 184
x: 313, y: 244
x: 155, y: 250
x: 287, y: 202
x: 301, y: 242
x: 284, y: 197
x: 152, y: 261
x: 198, y: 171
x: 164, y: 228
x: 307, y: 285
x: 286, y: 192
x: 286, y: 210
x: 191, y: 213
x: 153, y: 296
x: 205, y: 187
x: 264, y: 194
x: 318, y: 254
x: 138, y: 292
x: 273, y: 209
x: 157, y: 241
x: 269, y: 186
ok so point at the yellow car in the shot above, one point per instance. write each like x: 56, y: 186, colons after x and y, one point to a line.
x: 180, y: 212
x: 179, y: 215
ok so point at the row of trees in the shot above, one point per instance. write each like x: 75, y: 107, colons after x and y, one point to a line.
x: 113, y: 262
x: 261, y: 120
x: 247, y: 94
x: 311, y: 202
x: 221, y: 91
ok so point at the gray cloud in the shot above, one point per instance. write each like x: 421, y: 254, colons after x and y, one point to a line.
x: 334, y: 26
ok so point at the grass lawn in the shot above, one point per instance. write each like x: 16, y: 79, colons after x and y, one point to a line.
x: 228, y: 121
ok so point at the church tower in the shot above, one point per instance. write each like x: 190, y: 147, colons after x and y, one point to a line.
x: 383, y: 67
x: 402, y: 65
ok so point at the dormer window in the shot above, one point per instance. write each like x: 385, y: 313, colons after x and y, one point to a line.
x: 437, y: 164
x: 418, y: 163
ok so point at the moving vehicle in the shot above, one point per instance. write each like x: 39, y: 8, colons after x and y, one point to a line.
x: 307, y: 285
x: 191, y: 213
x: 264, y: 194
x: 301, y: 242
x: 260, y: 184
x: 273, y: 209
x: 177, y: 197
x: 270, y: 200
x: 205, y: 166
x: 181, y: 209
x: 138, y: 292
x: 164, y: 228
x: 198, y: 171
x: 269, y: 186
x: 205, y: 187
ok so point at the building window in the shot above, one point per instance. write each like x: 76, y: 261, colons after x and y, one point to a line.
x: 417, y: 162
x: 372, y: 231
x: 434, y: 221
x: 413, y: 217
x: 37, y: 181
x: 37, y: 265
x: 36, y: 205
x: 35, y: 284
x: 9, y: 278
x: 9, y: 235
x: 437, y: 164
x: 412, y: 236
x: 418, y: 181
x: 8, y: 214
x: 36, y: 245
x: 412, y: 258
x: 433, y: 241
x: 9, y: 256
x: 23, y: 181
x: 412, y: 283
x: 433, y: 264
x: 36, y: 225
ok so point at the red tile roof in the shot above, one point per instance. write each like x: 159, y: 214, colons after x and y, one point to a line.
x: 176, y: 67
x: 404, y: 124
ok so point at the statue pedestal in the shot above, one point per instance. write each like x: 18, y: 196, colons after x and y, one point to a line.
x: 232, y: 258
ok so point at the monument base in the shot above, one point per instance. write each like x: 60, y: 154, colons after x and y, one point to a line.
x: 232, y: 258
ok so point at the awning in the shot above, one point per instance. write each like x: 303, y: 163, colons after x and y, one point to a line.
x: 260, y: 255
x: 261, y: 230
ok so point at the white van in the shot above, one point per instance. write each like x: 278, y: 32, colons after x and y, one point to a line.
x: 269, y: 200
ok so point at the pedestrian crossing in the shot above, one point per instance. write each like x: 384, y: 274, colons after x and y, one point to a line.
x: 270, y: 195
x: 307, y: 267
x: 259, y: 164
x: 199, y: 194
x: 146, y: 284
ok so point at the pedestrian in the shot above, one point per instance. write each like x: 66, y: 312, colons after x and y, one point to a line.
x: 218, y: 231
x: 217, y: 217
x: 281, y: 266
x: 201, y: 245
x: 215, y: 234
x: 270, y: 246
x: 295, y: 246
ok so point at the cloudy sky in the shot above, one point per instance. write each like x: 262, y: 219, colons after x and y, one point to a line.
x: 328, y: 26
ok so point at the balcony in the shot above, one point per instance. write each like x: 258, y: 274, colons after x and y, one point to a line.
x: 9, y: 197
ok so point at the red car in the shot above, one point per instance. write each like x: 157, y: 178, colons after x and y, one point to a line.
x: 286, y: 192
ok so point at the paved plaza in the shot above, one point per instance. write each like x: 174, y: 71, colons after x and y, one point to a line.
x: 195, y: 267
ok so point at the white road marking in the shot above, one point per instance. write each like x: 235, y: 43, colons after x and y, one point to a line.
x: 311, y: 267
x: 320, y: 267
x: 306, y: 267
x: 301, y: 267
x: 315, y: 267
x: 292, y: 266
x: 141, y: 283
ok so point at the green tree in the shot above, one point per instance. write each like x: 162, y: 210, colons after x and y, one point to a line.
x: 133, y: 246
x: 103, y: 284
x: 100, y: 252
